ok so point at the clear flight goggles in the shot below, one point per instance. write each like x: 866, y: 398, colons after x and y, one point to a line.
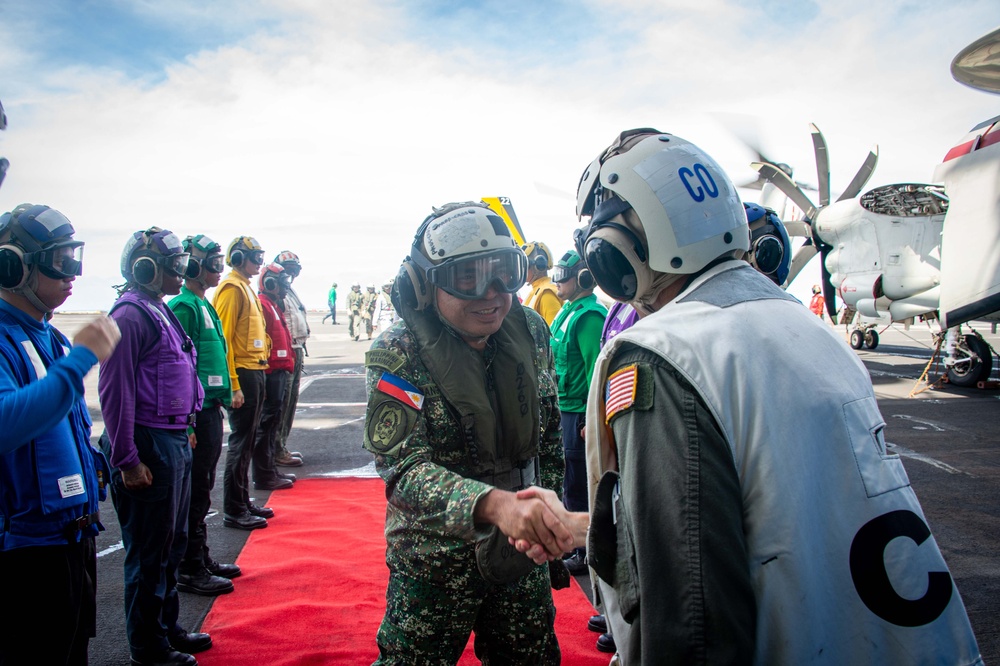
x: 471, y: 278
x: 256, y: 256
x: 175, y: 264
x: 60, y: 261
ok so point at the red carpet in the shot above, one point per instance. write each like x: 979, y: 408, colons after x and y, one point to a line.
x: 313, y: 587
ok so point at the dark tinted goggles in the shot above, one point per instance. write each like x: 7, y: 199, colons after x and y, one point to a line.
x: 472, y: 278
x: 59, y: 262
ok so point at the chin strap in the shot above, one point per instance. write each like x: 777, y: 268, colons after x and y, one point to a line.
x: 28, y: 291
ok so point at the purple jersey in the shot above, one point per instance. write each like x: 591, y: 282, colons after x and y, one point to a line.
x: 620, y: 317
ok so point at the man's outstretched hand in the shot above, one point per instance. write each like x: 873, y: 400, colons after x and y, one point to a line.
x: 577, y: 522
x: 529, y: 519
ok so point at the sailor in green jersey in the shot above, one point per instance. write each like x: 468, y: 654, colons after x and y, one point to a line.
x: 198, y: 573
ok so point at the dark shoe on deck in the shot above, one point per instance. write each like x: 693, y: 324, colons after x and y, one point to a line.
x: 206, y: 584
x: 273, y: 484
x: 223, y: 570
x: 261, y: 511
x: 606, y: 643
x: 190, y: 643
x: 598, y: 624
x: 244, y: 521
x: 171, y: 658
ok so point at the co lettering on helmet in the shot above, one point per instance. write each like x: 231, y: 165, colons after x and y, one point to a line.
x: 872, y: 580
x: 707, y: 183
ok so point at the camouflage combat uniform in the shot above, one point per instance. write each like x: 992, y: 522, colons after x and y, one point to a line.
x: 355, y: 300
x: 368, y: 301
x: 436, y: 596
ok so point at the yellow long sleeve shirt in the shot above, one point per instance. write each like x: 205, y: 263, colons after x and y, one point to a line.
x: 243, y: 326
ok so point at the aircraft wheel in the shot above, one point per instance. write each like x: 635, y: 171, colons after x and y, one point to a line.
x: 871, y: 339
x: 857, y: 339
x: 978, y: 370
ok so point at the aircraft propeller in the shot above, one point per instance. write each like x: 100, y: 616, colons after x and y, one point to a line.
x: 815, y: 244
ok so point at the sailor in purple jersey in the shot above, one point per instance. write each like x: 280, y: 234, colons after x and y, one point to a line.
x: 620, y: 317
x: 150, y: 392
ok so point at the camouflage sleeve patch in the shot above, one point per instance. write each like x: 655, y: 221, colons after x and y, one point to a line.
x: 386, y: 359
x: 629, y: 388
x: 389, y: 424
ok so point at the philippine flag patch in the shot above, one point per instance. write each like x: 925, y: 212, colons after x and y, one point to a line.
x: 402, y: 390
x: 619, y: 393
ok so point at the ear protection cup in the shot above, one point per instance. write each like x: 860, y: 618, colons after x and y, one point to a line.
x: 585, y: 279
x: 411, y: 288
x: 144, y: 270
x: 270, y: 283
x: 237, y: 258
x: 193, y: 269
x: 12, y: 273
x: 540, y: 263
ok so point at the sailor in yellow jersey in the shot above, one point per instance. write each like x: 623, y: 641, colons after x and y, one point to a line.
x: 543, y: 298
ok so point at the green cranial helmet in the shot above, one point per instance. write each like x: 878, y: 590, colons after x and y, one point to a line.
x: 206, y: 255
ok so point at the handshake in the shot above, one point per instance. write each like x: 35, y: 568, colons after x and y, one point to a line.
x: 535, y: 522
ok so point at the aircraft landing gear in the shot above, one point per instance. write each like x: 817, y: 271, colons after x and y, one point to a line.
x: 864, y: 336
x: 972, y: 361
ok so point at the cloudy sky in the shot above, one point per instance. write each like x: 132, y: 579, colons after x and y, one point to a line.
x: 330, y: 128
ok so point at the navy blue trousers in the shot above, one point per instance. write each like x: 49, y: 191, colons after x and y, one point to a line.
x: 204, y: 460
x: 154, y: 530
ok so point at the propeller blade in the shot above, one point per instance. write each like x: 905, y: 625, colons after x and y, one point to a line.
x: 862, y: 176
x: 781, y: 180
x: 829, y: 291
x: 797, y: 228
x: 802, y: 257
x: 822, y: 165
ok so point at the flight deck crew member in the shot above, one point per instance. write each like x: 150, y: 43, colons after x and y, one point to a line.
x: 576, y: 341
x: 817, y: 303
x: 368, y: 302
x: 462, y: 412
x: 355, y: 301
x: 51, y: 478
x: 331, y: 302
x: 199, y: 573
x: 543, y: 297
x: 744, y: 505
x: 150, y: 393
x: 248, y: 346
x: 273, y: 286
x: 298, y: 328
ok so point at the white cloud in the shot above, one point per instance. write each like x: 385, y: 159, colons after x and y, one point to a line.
x: 333, y: 132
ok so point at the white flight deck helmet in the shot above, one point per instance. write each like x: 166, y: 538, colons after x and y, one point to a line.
x: 462, y: 248
x: 657, y: 205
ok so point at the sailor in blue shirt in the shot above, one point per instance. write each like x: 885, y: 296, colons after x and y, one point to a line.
x: 51, y: 478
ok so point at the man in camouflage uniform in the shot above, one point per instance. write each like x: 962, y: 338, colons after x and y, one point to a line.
x: 355, y: 300
x: 368, y: 302
x: 462, y: 412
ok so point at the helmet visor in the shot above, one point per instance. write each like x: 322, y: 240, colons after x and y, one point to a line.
x: 611, y: 269
x: 562, y: 274
x: 175, y: 263
x: 62, y: 261
x: 471, y: 278
x: 215, y: 263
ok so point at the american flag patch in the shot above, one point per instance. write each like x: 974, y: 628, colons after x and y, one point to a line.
x: 619, y: 394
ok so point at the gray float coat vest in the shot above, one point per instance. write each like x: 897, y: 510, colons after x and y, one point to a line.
x: 842, y: 563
